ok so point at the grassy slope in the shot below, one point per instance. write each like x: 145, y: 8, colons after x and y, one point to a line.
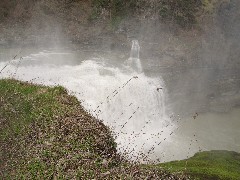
x: 209, y: 165
x: 46, y: 134
x: 36, y: 135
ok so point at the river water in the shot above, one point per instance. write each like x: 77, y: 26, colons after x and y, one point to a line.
x: 131, y: 103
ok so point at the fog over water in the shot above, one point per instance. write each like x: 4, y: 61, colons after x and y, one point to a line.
x: 134, y: 105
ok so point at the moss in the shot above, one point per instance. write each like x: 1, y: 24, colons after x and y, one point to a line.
x: 208, y: 165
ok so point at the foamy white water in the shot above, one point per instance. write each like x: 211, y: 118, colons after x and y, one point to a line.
x: 134, y: 61
x: 132, y: 104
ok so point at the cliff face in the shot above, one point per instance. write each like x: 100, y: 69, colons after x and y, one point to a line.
x: 26, y: 20
x: 178, y: 39
x: 160, y: 25
x: 80, y: 20
x: 110, y: 23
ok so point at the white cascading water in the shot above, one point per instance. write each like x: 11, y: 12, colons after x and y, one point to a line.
x: 128, y: 101
x: 134, y: 60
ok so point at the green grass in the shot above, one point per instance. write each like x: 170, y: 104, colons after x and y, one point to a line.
x: 209, y: 165
x: 41, y: 137
x: 46, y: 134
x: 22, y: 104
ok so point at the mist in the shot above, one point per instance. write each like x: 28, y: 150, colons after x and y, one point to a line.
x: 181, y: 92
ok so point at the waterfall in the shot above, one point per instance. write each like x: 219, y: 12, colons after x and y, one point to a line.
x: 135, y: 50
x: 129, y: 102
x: 134, y: 60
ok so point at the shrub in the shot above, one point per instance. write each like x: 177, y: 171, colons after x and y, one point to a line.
x: 182, y: 12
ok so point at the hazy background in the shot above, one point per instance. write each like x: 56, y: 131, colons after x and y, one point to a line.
x: 196, y: 54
